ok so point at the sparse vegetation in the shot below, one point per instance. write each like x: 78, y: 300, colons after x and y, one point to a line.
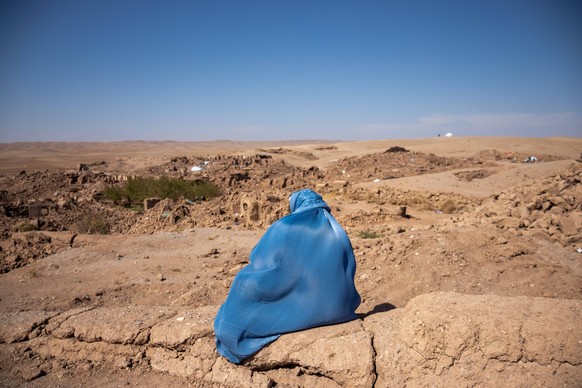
x: 432, y: 159
x: 396, y: 149
x: 26, y: 227
x: 449, y: 206
x: 416, y: 201
x: 135, y: 190
x: 94, y: 224
x: 469, y: 176
x: 369, y: 234
x: 138, y: 208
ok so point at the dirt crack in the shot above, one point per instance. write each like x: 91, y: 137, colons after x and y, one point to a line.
x: 374, y: 354
x: 65, y: 316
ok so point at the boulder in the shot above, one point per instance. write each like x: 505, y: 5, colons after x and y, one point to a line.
x: 571, y: 224
x: 447, y: 339
x: 341, y: 354
x: 509, y: 222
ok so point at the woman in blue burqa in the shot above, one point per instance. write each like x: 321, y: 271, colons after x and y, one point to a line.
x: 300, y: 275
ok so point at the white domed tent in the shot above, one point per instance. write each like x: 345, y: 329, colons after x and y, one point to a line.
x: 448, y: 134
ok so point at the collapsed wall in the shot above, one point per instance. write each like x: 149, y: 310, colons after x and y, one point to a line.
x: 551, y: 208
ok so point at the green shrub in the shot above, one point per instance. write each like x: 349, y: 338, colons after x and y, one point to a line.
x: 135, y: 190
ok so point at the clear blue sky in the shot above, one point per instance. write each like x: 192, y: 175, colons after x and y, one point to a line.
x: 105, y: 70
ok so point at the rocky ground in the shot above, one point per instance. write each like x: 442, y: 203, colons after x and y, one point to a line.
x: 467, y: 266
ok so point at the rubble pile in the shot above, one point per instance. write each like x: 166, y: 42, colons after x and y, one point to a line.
x: 440, y: 202
x: 63, y: 200
x: 552, y: 207
x: 470, y: 175
x: 166, y: 215
x: 38, y: 195
x: 378, y: 216
x: 514, y: 156
x: 21, y: 249
x: 254, y: 191
x: 301, y: 154
x: 395, y: 163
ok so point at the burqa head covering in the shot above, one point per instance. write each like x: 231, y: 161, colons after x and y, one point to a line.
x: 300, y: 275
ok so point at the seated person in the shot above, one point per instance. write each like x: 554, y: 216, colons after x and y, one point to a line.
x: 300, y: 275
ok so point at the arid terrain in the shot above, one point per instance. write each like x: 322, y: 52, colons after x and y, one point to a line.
x: 469, y: 262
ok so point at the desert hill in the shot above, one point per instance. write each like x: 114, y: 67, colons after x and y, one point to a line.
x: 467, y: 262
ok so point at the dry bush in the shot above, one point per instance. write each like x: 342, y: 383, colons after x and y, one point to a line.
x: 369, y: 234
x: 418, y: 202
x: 449, y: 206
x: 92, y: 223
x: 26, y: 227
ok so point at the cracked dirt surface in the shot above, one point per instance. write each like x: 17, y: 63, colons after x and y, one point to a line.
x: 479, y: 340
x: 437, y: 339
x: 477, y: 284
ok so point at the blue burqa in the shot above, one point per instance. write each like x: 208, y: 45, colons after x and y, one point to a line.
x: 300, y: 275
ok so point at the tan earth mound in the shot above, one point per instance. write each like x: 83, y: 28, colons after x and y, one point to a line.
x: 467, y: 263
x: 446, y: 339
x: 441, y: 338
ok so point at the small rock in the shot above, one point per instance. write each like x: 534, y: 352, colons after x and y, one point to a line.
x: 234, y: 270
x: 213, y: 251
x: 161, y: 277
x: 30, y: 374
x: 123, y: 362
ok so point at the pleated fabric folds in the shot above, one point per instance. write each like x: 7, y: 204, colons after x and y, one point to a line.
x: 300, y: 275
